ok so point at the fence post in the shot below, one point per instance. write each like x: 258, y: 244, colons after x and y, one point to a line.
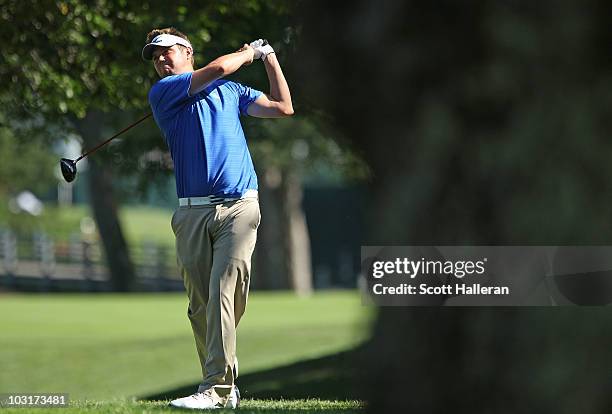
x: 150, y: 259
x: 9, y: 255
x: 162, y: 258
x: 46, y: 250
x: 88, y: 270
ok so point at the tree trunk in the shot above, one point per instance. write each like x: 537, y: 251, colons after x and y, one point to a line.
x: 269, y: 255
x: 104, y: 208
x: 283, y: 256
x: 296, y: 238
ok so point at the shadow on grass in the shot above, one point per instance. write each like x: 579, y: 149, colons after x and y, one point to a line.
x: 332, y: 377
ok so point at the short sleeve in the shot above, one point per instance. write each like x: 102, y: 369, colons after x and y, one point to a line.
x: 246, y: 96
x: 169, y: 94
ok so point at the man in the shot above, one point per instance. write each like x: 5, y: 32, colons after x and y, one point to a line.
x: 218, y: 215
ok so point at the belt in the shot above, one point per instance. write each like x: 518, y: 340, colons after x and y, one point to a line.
x: 211, y: 200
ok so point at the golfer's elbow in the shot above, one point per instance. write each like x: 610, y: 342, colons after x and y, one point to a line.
x: 221, y: 69
x: 286, y: 110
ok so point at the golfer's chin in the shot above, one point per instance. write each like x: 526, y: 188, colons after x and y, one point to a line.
x: 165, y: 71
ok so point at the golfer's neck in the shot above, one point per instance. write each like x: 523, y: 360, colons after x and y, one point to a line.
x: 180, y: 71
x: 185, y: 69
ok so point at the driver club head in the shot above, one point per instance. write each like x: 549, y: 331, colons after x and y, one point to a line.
x: 69, y: 169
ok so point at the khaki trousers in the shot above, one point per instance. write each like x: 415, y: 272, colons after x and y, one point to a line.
x: 214, y: 244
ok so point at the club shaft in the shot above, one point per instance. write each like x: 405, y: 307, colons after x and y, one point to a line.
x: 113, y: 137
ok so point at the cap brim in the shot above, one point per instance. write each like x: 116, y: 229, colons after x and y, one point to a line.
x: 163, y: 40
x: 147, y: 51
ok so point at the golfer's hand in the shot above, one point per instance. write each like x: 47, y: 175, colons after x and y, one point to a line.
x: 250, y: 53
x: 261, y: 50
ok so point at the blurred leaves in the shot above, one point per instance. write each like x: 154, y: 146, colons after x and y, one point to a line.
x: 24, y: 165
x: 304, y: 144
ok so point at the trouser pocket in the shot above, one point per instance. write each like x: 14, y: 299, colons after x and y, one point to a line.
x: 173, y: 220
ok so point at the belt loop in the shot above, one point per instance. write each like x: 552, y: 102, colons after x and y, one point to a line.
x: 188, y: 202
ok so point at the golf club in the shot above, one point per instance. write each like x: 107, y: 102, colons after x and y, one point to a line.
x: 68, y: 167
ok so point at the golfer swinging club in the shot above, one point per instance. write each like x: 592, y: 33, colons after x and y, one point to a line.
x: 218, y: 215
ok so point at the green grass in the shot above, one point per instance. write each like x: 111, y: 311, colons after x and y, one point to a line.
x: 248, y: 406
x: 147, y: 224
x: 119, y: 346
x: 139, y: 223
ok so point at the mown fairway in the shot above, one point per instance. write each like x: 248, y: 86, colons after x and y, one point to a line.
x: 161, y: 407
x: 116, y: 347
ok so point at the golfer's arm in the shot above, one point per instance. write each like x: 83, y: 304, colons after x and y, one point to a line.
x: 276, y: 104
x: 218, y: 68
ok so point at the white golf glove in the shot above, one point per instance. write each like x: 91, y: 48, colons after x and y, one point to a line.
x: 262, y: 49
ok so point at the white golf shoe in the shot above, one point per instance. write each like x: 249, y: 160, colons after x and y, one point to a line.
x: 207, y: 400
x: 234, y: 399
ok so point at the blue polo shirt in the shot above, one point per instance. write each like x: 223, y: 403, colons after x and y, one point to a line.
x: 204, y: 135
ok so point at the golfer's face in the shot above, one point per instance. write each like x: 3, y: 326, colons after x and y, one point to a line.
x: 169, y: 60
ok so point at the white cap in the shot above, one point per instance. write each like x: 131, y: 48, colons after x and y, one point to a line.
x: 163, y: 40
